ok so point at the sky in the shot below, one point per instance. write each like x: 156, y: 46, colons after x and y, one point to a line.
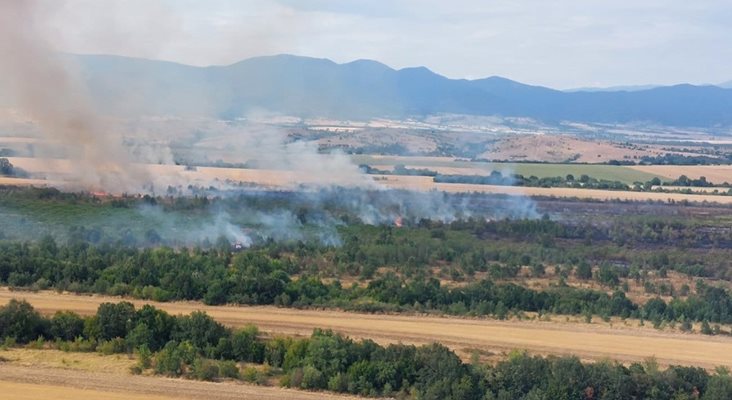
x: 556, y: 43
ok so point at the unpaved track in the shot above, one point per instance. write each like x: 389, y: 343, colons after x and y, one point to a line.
x: 589, y: 342
x: 21, y: 383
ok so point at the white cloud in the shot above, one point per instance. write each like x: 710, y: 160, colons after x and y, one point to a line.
x: 560, y: 43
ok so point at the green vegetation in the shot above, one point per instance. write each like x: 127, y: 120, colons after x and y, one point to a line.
x: 197, y: 347
x: 601, y: 172
x: 484, y: 253
x: 470, y: 266
x: 467, y: 267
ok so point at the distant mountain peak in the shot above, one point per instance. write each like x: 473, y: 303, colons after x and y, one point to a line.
x: 364, y: 89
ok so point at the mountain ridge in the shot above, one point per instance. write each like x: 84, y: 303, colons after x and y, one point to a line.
x: 363, y: 89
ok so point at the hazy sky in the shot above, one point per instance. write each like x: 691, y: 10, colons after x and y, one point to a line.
x: 557, y: 43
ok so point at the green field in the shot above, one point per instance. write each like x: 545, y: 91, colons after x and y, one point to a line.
x: 598, y: 171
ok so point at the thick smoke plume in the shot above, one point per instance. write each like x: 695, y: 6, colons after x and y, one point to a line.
x: 110, y: 154
x: 47, y: 87
x: 44, y: 88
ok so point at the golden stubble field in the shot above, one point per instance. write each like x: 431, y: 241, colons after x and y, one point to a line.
x: 714, y: 173
x: 174, y: 174
x: 463, y: 335
x: 18, y: 382
x: 426, y: 183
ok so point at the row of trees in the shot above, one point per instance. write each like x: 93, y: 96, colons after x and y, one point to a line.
x: 198, y: 347
x: 497, y: 178
x: 264, y: 276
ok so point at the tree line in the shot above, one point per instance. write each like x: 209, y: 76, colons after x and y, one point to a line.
x: 290, y: 276
x: 196, y: 346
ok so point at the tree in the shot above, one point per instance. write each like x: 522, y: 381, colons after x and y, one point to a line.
x: 139, y: 336
x: 246, y: 346
x: 200, y: 329
x: 66, y: 325
x: 115, y: 320
x: 160, y: 324
x: 6, y: 168
x: 719, y: 388
x: 18, y: 320
x: 584, y: 270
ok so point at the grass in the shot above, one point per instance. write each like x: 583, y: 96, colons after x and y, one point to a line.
x: 91, y: 362
x: 599, y: 171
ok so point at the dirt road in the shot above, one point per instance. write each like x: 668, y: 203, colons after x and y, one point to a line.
x: 586, y: 341
x: 26, y: 383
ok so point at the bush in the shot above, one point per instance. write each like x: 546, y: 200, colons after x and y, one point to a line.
x: 229, y: 369
x: 246, y: 346
x: 83, y: 345
x: 114, y: 346
x: 173, y: 359
x: 205, y: 370
x: 250, y: 374
x: 312, y: 378
x: 144, y: 355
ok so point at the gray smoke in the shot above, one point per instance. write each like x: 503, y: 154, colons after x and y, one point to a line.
x: 108, y: 154
x: 46, y: 90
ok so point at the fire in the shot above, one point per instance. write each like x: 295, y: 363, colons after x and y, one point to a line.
x: 398, y: 222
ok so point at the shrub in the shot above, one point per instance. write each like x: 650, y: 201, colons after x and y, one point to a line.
x: 144, y: 355
x: 205, y: 370
x: 229, y: 369
x: 114, y: 346
x: 250, y: 374
x: 312, y: 378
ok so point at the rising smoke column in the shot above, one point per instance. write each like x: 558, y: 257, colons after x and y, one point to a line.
x: 41, y: 84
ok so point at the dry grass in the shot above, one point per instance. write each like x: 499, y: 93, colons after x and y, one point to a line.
x: 91, y: 362
x: 288, y: 179
x: 591, y: 341
x: 717, y: 174
x: 25, y: 391
x: 18, y: 382
x: 426, y: 183
x: 561, y: 148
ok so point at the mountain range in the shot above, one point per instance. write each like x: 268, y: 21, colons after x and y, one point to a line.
x: 363, y: 89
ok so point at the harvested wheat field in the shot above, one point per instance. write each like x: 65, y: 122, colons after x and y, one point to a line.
x: 21, y: 383
x: 717, y: 174
x: 23, y: 181
x: 175, y: 174
x: 586, y: 341
x: 426, y: 183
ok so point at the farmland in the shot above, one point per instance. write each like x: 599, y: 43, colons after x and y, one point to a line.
x: 587, y: 341
x: 449, y: 165
x: 204, y: 176
x: 714, y: 173
x: 30, y: 381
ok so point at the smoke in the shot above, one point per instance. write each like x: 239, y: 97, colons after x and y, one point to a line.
x: 48, y: 92
x: 109, y: 154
